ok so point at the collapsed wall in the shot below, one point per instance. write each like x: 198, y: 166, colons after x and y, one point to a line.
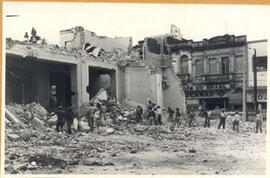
x: 173, y: 95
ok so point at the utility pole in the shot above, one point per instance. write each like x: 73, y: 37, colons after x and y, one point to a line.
x: 244, y: 111
x: 255, y: 81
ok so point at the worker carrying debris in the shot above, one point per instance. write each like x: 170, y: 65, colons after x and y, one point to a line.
x: 90, y: 116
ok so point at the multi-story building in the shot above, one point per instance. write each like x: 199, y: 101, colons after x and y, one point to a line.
x: 211, y: 70
x: 260, y: 46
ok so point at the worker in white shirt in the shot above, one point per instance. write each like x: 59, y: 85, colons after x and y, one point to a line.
x: 236, y: 121
x: 222, y: 116
x: 258, y: 122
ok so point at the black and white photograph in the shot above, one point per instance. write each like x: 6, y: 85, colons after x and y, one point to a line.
x: 134, y: 89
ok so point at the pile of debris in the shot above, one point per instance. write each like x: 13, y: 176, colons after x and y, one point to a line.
x: 24, y: 115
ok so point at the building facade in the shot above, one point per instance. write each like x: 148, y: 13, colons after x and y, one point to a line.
x: 260, y: 46
x: 211, y: 70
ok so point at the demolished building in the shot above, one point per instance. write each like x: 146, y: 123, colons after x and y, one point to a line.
x: 74, y: 73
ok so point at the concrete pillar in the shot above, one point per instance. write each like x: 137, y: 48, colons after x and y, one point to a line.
x: 74, y: 85
x: 113, y: 84
x: 83, y: 82
x: 159, y: 90
x: 43, y: 85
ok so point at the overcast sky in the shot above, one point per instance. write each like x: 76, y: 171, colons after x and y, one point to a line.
x: 136, y: 20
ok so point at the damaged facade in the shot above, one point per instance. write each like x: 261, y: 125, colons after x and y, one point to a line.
x: 52, y: 76
x: 85, y: 63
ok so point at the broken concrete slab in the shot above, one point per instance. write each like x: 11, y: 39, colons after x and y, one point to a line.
x: 13, y: 137
x: 100, y: 96
x: 12, y: 118
x: 37, y: 123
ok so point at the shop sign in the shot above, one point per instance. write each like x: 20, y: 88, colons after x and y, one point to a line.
x: 192, y: 102
x: 260, y: 97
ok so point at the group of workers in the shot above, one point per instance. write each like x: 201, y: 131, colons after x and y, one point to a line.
x: 96, y: 112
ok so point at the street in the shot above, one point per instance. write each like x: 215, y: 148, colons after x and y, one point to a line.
x: 138, y: 149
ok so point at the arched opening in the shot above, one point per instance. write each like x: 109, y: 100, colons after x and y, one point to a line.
x: 183, y: 65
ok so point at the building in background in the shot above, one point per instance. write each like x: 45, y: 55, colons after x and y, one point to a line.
x: 261, y: 66
x: 211, y: 70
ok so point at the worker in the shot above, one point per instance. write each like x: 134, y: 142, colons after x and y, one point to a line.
x: 191, y: 118
x: 236, y: 120
x: 26, y: 37
x: 90, y: 116
x: 177, y: 117
x: 103, y: 111
x: 258, y: 121
x: 69, y: 116
x: 97, y: 116
x: 139, y: 112
x: 222, y: 117
x: 171, y: 112
x: 152, y: 116
x: 60, y: 113
x: 207, y: 115
x: 159, y: 115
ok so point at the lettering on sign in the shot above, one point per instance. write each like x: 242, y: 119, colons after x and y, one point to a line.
x: 192, y: 94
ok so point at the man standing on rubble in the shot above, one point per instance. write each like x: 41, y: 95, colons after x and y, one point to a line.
x: 152, y: 116
x: 206, y: 114
x: 97, y: 116
x: 171, y: 112
x: 177, y: 117
x: 103, y: 111
x: 222, y: 116
x: 236, y: 120
x: 90, y: 116
x: 191, y: 118
x: 60, y: 113
x: 159, y: 115
x: 258, y: 122
x: 139, y: 112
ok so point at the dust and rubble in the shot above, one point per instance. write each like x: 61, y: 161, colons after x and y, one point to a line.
x: 126, y: 144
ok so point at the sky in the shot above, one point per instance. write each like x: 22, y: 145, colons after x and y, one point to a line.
x: 196, y: 22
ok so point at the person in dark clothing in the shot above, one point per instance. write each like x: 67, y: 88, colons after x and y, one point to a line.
x: 171, y: 112
x: 159, y: 115
x: 26, y: 37
x: 70, y: 115
x: 191, y: 118
x: 177, y: 117
x: 222, y: 119
x: 90, y: 116
x: 139, y: 112
x: 152, y: 116
x: 60, y: 113
x: 206, y: 115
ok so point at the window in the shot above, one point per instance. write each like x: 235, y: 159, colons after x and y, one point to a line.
x: 261, y: 63
x: 239, y: 64
x: 199, y: 67
x: 225, y: 65
x: 212, y: 66
x: 184, y: 64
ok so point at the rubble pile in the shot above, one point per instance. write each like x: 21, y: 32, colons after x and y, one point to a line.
x: 27, y: 112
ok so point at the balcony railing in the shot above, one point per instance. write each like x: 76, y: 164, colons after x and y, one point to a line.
x: 214, y: 78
